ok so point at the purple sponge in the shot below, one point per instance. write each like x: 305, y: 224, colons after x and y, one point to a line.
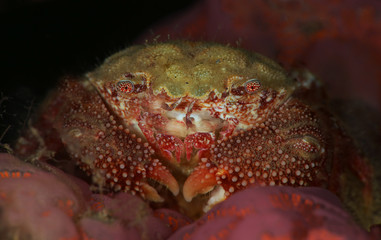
x: 123, y: 217
x: 276, y: 213
x: 35, y: 204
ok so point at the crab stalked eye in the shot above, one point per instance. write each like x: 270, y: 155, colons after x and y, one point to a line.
x: 252, y: 85
x: 125, y: 86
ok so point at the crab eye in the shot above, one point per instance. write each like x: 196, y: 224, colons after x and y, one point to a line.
x: 125, y: 86
x: 252, y: 86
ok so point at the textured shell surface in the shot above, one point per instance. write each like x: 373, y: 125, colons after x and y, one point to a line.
x: 192, y: 69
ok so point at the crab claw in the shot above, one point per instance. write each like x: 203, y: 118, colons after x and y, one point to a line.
x: 150, y: 193
x: 160, y: 174
x: 201, y: 181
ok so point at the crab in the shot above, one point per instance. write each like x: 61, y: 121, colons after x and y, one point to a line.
x: 188, y: 124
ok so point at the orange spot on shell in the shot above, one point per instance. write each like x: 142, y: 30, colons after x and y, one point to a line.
x: 173, y: 223
x: 46, y: 213
x: 14, y: 174
x: 27, y: 174
x: 66, y: 206
x: 267, y: 236
x: 3, y: 195
x: 187, y: 236
x: 4, y: 174
x: 97, y: 206
x: 295, y: 198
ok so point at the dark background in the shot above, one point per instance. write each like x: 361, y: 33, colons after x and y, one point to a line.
x: 41, y: 41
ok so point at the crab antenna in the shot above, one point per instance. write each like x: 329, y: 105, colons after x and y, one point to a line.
x: 188, y: 120
x: 172, y: 106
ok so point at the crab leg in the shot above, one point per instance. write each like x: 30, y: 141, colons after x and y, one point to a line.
x: 105, y: 148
